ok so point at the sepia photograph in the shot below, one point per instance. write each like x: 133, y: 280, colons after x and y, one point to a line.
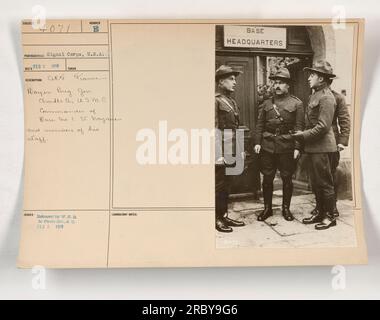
x: 288, y: 91
x: 210, y: 153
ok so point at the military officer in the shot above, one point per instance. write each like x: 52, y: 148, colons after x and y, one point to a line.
x: 320, y: 144
x: 278, y: 117
x: 226, y: 118
x: 341, y: 126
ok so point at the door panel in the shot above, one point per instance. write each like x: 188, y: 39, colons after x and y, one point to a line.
x: 249, y: 180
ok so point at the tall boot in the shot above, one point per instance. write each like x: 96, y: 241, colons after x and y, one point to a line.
x: 267, y: 194
x: 287, y: 192
x: 221, y: 207
x: 318, y: 204
x: 329, y: 219
x: 317, y: 215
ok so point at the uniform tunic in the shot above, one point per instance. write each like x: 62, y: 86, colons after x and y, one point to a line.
x: 320, y: 144
x: 273, y: 134
x: 226, y: 118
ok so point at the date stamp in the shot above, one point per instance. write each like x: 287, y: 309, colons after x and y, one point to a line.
x: 55, y: 221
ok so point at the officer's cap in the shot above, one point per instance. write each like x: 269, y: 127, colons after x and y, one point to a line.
x: 225, y: 71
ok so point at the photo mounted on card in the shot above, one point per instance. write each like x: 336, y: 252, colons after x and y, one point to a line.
x: 192, y: 143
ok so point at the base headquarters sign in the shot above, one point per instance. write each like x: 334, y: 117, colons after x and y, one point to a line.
x: 254, y: 37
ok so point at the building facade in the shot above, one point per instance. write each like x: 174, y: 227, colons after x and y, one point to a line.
x: 258, y: 51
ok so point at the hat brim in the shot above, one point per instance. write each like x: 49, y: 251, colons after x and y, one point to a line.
x: 329, y: 75
x: 227, y: 74
x: 280, y: 78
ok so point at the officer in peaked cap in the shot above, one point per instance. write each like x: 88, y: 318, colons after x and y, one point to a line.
x: 320, y: 143
x: 226, y: 117
x: 279, y: 116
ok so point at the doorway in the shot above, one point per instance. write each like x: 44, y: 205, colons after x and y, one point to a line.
x: 253, y: 87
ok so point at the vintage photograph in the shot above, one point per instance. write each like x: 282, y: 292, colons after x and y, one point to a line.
x: 288, y: 90
x: 137, y: 183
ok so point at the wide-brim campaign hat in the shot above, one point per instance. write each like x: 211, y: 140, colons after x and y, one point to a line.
x: 281, y: 74
x: 225, y: 71
x: 322, y: 67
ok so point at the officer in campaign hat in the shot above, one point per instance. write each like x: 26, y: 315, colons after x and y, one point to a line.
x: 320, y: 144
x: 342, y: 128
x: 278, y: 117
x: 226, y: 118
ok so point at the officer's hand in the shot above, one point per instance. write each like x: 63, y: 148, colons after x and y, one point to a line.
x: 340, y: 147
x: 220, y: 161
x: 297, y: 135
x: 257, y: 148
x: 297, y: 154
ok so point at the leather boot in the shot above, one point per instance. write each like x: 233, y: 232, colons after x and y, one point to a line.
x: 329, y: 219
x: 221, y: 207
x: 318, y: 205
x: 233, y: 223
x: 221, y: 226
x: 317, y: 215
x: 287, y: 192
x: 315, y: 210
x: 267, y: 194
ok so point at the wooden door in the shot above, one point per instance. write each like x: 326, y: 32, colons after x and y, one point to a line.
x: 249, y: 181
x: 300, y: 87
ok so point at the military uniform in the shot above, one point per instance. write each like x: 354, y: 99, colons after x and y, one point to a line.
x: 341, y: 122
x: 321, y: 148
x: 272, y: 133
x: 341, y: 126
x: 226, y: 118
x: 278, y: 117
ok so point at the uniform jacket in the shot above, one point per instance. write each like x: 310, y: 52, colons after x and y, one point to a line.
x: 319, y: 135
x: 226, y: 117
x: 341, y: 117
x: 272, y: 133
